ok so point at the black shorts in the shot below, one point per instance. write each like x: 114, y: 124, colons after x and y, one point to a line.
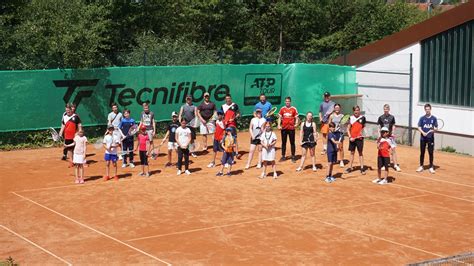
x: 357, y: 143
x: 255, y: 141
x: 216, y: 146
x: 143, y: 158
x: 67, y: 142
x: 309, y: 145
x: 383, y: 162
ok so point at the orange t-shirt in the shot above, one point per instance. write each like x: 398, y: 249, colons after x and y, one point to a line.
x: 357, y: 124
x: 71, y: 124
x: 384, y: 148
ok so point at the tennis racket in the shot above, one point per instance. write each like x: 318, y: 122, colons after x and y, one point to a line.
x: 440, y: 123
x: 271, y: 112
x: 133, y: 130
x: 54, y: 134
x: 328, y: 113
x: 309, y: 139
x: 342, y: 127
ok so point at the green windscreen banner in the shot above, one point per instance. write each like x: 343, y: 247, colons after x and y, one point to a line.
x: 32, y: 100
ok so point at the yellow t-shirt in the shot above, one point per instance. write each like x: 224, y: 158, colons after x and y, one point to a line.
x: 229, y: 144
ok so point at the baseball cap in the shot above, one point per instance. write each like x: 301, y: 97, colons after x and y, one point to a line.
x: 189, y: 96
x: 384, y: 129
x: 174, y: 114
x: 258, y: 110
x: 110, y: 126
x: 327, y: 94
x: 206, y: 94
x: 143, y: 127
x: 220, y: 112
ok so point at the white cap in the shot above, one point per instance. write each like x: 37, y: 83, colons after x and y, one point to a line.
x: 174, y: 114
x: 384, y: 129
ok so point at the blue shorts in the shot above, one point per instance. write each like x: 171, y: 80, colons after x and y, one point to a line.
x: 110, y: 157
x: 228, y: 158
x: 332, y: 156
x: 216, y: 146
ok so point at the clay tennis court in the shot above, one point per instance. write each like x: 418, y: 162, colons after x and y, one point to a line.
x: 204, y: 219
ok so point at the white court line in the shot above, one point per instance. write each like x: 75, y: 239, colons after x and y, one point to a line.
x: 434, y: 179
x: 269, y: 219
x: 373, y: 236
x: 36, y: 245
x: 431, y: 192
x: 92, y: 229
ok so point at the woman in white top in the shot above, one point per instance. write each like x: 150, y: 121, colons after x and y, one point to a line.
x: 336, y: 117
x: 256, y: 130
x: 268, y: 140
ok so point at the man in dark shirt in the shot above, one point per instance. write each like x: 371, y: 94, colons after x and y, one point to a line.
x: 205, y: 112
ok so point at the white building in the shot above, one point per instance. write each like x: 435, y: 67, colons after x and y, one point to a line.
x: 441, y: 51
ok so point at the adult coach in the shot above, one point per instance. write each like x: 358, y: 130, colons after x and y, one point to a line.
x: 205, y: 111
x: 231, y: 113
x: 427, y: 126
x: 263, y: 105
x: 189, y: 112
x: 79, y: 126
x: 71, y: 123
x: 387, y: 120
x: 147, y: 119
x: 287, y: 119
x: 325, y: 106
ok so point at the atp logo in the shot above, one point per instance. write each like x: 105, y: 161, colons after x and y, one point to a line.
x: 71, y: 86
x: 269, y: 84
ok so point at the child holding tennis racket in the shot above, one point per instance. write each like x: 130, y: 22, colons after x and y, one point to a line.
x: 325, y: 110
x: 183, y: 138
x: 79, y: 155
x: 218, y: 136
x: 144, y: 148
x: 308, y: 137
x: 127, y: 125
x: 356, y: 139
x: 171, y: 137
x: 256, y: 130
x: 110, y: 144
x: 228, y: 146
x: 268, y: 140
x: 333, y: 145
x: 383, y: 159
x: 340, y: 121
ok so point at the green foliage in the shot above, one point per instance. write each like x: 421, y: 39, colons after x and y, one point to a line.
x: 8, y: 262
x: 448, y: 149
x: 39, y: 34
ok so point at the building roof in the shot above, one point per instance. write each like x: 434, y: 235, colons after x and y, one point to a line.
x: 411, y: 35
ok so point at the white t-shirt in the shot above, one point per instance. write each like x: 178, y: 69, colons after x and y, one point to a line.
x: 111, y: 141
x: 267, y: 138
x: 117, y: 118
x: 256, y: 124
x: 184, y: 135
x: 80, y: 144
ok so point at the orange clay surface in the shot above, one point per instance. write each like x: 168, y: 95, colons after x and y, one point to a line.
x: 203, y: 219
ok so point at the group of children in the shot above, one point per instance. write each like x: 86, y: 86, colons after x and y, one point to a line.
x: 263, y: 140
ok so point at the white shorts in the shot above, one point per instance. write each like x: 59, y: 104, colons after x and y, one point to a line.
x: 172, y: 145
x: 78, y: 158
x: 150, y: 134
x: 392, y: 142
x: 208, y: 128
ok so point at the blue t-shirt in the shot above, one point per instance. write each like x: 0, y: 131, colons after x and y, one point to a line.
x: 332, y: 147
x: 426, y: 124
x: 125, y: 125
x: 265, y: 107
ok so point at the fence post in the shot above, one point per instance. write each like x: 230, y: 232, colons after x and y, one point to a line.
x: 410, y: 111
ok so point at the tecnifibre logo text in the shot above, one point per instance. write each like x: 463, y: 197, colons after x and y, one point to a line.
x: 124, y: 95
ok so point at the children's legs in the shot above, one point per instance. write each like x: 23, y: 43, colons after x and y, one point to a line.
x: 215, y: 156
x: 329, y: 169
x: 186, y: 159
x: 69, y: 155
x: 361, y: 161
x: 180, y: 158
x: 251, y: 151
x: 394, y: 156
x: 385, y: 173
x: 264, y: 168
x: 107, y: 168
x: 379, y: 173
x: 170, y: 152
x: 76, y: 171
x: 115, y: 168
x: 313, y: 158
x: 325, y: 140
x: 204, y: 140
x: 274, y: 167
x: 351, y: 159
x: 81, y: 171
x: 259, y: 147
x: 341, y: 152
x: 304, y: 151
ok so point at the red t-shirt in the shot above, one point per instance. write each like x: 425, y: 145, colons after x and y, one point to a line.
x: 288, y: 115
x: 357, y: 124
x: 142, y: 140
x: 71, y: 124
x: 384, y: 148
x: 220, y: 129
x: 230, y: 112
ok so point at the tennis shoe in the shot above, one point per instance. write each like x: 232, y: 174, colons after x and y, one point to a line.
x: 348, y: 170
x: 383, y: 168
x: 376, y: 181
x: 362, y: 171
x: 179, y: 172
x: 194, y: 155
x: 210, y: 165
x: 81, y: 181
x: 132, y: 165
x: 247, y: 167
x: 77, y: 181
x: 327, y: 179
x: 219, y: 174
x: 120, y: 157
x: 64, y: 158
x: 275, y: 175
x: 228, y: 174
x: 116, y: 178
x: 147, y: 175
x: 332, y: 178
x: 293, y: 159
x: 383, y: 182
x: 187, y: 172
x: 315, y: 168
x: 282, y: 159
x: 299, y: 169
x: 106, y: 178
x: 124, y: 165
x: 420, y: 169
x: 397, y: 168
x: 259, y: 165
x: 262, y: 176
x: 341, y: 164
x: 141, y: 174
x: 432, y: 170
